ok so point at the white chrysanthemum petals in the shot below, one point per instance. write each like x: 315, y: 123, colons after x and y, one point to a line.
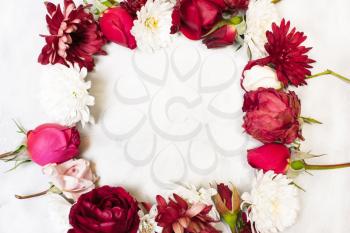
x: 273, y: 202
x: 64, y: 94
x: 148, y: 223
x: 260, y: 76
x: 259, y: 18
x: 152, y: 27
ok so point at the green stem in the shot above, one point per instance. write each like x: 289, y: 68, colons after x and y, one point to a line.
x: 329, y: 72
x: 21, y: 197
x: 326, y: 167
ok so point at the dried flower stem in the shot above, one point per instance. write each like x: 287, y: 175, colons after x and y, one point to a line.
x: 329, y: 72
x: 326, y: 167
x: 52, y: 189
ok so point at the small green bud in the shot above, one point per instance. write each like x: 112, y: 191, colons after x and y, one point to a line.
x: 298, y: 165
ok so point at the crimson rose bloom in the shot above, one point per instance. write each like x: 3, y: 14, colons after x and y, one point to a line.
x: 272, y: 115
x: 116, y: 24
x: 196, y: 17
x: 222, y: 37
x: 74, y: 36
x: 52, y: 143
x: 178, y: 216
x: 268, y: 157
x: 105, y: 210
x: 286, y: 54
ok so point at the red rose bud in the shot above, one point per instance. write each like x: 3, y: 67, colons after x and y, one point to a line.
x: 225, y: 35
x: 271, y: 156
x: 272, y: 115
x: 227, y: 203
x: 116, y: 24
x: 105, y: 210
x: 53, y: 143
x: 197, y: 17
x: 232, y: 5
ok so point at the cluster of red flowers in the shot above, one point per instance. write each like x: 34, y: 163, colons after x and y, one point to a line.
x: 75, y: 37
x: 273, y: 116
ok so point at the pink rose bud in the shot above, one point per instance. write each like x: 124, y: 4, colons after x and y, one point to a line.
x: 52, y: 143
x: 225, y: 35
x: 116, y: 24
x: 270, y: 157
x: 73, y: 177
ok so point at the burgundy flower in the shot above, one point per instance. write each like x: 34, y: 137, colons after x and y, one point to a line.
x: 133, y: 6
x: 272, y: 156
x: 178, y: 216
x: 286, y: 54
x: 105, y: 210
x: 272, y: 115
x: 74, y: 36
x: 222, y: 37
x: 197, y: 17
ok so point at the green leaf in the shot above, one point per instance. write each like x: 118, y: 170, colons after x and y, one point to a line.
x: 309, y: 120
x: 17, y: 164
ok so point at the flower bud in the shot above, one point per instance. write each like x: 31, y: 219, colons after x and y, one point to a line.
x: 223, y: 36
x: 116, y: 24
x: 260, y: 76
x: 53, y: 143
x: 268, y: 157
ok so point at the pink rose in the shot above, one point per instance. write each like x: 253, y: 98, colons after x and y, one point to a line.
x: 271, y: 156
x: 73, y: 177
x: 53, y: 143
x: 116, y: 24
x: 272, y: 115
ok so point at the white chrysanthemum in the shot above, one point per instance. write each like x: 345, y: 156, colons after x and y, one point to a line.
x: 273, y: 204
x: 64, y: 94
x: 202, y: 195
x: 259, y: 18
x: 59, y: 213
x: 148, y: 223
x: 152, y: 27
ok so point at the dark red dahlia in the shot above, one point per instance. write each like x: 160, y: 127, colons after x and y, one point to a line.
x: 178, y: 216
x: 74, y: 36
x: 133, y: 6
x: 286, y: 54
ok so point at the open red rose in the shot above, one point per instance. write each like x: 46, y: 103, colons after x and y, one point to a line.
x: 272, y: 115
x: 273, y: 156
x: 105, y: 210
x: 116, y: 24
x: 197, y: 17
x: 52, y: 143
x: 222, y: 37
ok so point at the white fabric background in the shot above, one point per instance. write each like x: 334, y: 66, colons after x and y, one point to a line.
x: 325, y: 204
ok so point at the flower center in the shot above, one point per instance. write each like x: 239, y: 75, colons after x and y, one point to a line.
x: 151, y: 23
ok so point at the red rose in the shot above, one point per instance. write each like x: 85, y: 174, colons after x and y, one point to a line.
x: 223, y: 36
x: 232, y: 5
x: 116, y: 24
x: 272, y: 115
x: 197, y: 17
x: 105, y: 210
x: 268, y: 157
x: 53, y: 143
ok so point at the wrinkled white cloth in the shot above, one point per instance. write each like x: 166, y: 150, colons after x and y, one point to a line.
x: 325, y: 206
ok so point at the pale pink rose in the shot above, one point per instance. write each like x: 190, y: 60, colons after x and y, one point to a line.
x: 74, y: 177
